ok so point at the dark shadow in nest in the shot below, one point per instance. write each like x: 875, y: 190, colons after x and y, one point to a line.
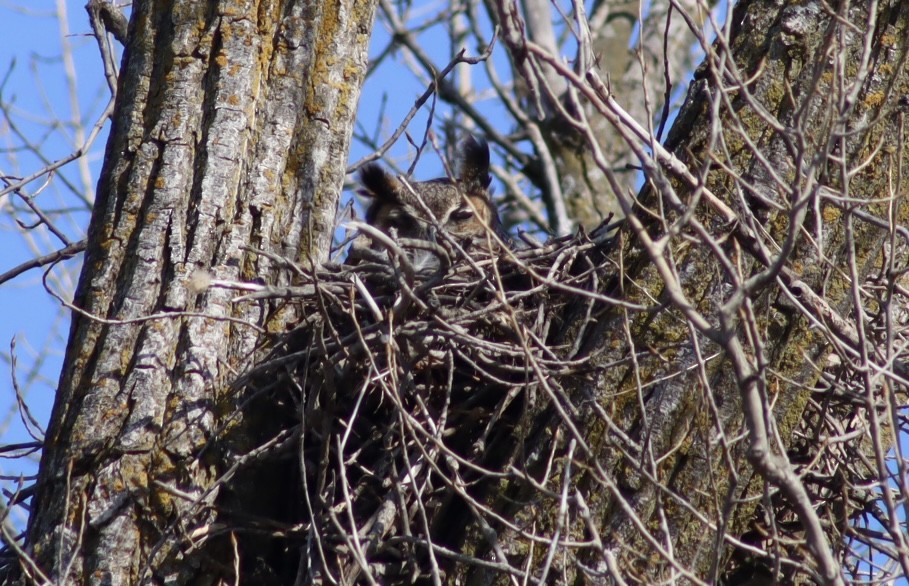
x: 409, y: 395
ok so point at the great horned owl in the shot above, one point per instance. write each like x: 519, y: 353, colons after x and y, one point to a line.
x: 462, y: 207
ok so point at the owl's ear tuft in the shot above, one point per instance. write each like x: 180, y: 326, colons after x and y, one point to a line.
x: 378, y: 183
x: 474, y: 167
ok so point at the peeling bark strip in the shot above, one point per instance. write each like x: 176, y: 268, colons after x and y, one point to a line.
x: 231, y: 129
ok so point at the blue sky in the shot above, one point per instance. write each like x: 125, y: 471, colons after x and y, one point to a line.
x: 35, y: 89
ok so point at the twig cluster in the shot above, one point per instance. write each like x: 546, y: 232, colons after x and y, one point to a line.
x: 413, y: 391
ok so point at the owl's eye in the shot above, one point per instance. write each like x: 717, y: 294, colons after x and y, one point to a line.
x: 462, y: 213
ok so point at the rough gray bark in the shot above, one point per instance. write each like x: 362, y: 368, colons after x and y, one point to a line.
x: 231, y: 131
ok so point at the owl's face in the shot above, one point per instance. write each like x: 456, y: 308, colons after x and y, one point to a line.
x: 461, y: 207
x: 414, y: 210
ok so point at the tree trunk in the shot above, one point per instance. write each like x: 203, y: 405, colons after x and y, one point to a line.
x: 230, y: 134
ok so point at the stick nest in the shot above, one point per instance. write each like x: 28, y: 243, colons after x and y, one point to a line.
x: 412, y: 386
